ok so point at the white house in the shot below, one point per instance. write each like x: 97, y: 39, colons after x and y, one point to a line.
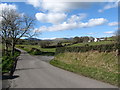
x: 95, y: 39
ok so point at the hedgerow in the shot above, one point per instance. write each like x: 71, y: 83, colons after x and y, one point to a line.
x: 100, y: 48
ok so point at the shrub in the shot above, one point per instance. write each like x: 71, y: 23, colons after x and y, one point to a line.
x: 7, y: 61
x: 100, y: 48
x: 35, y: 51
x: 21, y: 46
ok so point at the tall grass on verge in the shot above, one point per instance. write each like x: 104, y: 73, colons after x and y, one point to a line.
x: 98, y: 65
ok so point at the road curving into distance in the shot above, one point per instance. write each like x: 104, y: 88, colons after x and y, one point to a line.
x: 36, y: 72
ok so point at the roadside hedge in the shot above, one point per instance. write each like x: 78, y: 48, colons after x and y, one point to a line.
x: 100, y: 48
x: 35, y: 51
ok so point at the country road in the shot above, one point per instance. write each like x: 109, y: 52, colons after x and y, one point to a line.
x: 36, y: 72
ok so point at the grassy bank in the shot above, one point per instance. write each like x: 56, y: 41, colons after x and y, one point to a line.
x: 41, y: 51
x: 101, y: 66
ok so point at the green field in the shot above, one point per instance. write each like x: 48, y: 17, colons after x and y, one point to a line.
x: 92, y: 43
x: 101, y: 66
x: 45, y: 51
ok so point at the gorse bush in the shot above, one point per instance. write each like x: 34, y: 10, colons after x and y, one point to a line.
x: 100, y: 48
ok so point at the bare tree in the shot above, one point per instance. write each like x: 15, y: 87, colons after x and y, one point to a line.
x: 14, y: 26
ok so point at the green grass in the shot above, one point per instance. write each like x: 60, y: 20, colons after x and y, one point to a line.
x: 0, y: 52
x: 65, y: 43
x: 0, y: 46
x: 101, y: 66
x: 92, y: 43
x: 45, y: 51
x: 112, y: 38
x: 7, y: 62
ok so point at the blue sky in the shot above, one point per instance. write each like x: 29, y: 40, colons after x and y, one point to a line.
x: 58, y: 20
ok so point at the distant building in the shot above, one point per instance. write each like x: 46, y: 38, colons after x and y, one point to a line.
x: 91, y: 39
x: 95, y: 39
x: 101, y: 39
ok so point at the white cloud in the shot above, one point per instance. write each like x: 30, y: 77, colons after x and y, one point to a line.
x: 63, y: 6
x: 109, y: 6
x: 55, y: 12
x: 113, y: 24
x: 54, y: 18
x: 57, y: 6
x: 73, y: 25
x: 48, y: 38
x: 7, y: 6
x: 109, y: 32
x: 54, y: 7
x: 94, y: 22
x: 35, y: 3
x: 63, y: 26
x: 77, y: 18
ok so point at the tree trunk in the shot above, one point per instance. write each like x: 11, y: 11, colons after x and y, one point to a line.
x: 5, y: 48
x: 13, y: 67
x: 15, y: 64
x: 13, y: 47
x: 14, y: 58
x: 11, y: 71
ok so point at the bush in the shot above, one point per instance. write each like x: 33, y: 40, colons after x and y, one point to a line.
x: 7, y: 61
x: 100, y: 48
x: 35, y: 51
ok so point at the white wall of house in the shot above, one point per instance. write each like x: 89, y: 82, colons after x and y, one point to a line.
x: 95, y: 39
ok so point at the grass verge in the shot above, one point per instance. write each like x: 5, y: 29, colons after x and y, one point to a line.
x: 100, y: 66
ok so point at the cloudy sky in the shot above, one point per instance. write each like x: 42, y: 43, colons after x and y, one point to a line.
x: 69, y: 19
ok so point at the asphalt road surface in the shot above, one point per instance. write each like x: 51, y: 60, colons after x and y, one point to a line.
x: 36, y: 72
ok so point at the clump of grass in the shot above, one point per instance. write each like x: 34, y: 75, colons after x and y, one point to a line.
x: 101, y: 66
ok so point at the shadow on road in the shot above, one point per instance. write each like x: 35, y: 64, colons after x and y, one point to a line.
x: 5, y: 77
x: 45, y: 53
x: 28, y: 68
x: 48, y: 53
x: 24, y: 69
